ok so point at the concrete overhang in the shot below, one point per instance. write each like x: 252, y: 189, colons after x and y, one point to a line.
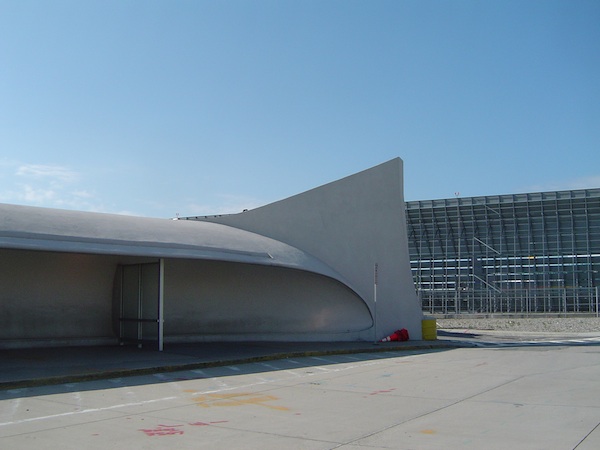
x: 56, y: 230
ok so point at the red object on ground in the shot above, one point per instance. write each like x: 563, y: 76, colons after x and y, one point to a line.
x: 398, y: 335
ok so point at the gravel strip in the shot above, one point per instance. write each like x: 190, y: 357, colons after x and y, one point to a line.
x: 540, y: 325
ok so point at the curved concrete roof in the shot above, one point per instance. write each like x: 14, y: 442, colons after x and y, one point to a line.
x: 34, y: 228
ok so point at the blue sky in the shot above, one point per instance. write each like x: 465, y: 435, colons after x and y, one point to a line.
x: 158, y: 108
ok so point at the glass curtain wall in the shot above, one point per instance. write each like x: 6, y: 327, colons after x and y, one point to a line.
x: 524, y: 253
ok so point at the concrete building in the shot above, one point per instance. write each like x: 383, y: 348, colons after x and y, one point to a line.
x: 329, y: 264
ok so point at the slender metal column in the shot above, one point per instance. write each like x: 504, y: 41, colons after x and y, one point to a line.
x: 161, y: 299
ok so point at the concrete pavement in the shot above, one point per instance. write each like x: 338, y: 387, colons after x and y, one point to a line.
x: 496, y: 397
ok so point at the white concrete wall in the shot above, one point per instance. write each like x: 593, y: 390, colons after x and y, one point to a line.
x: 55, y: 297
x: 211, y: 300
x: 351, y: 225
x: 49, y: 298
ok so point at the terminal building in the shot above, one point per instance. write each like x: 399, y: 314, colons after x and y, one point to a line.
x: 519, y: 254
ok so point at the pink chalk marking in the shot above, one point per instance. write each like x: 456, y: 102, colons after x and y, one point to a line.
x: 172, y: 430
x: 382, y: 391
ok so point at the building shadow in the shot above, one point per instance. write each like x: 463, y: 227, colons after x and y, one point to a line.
x: 35, y: 372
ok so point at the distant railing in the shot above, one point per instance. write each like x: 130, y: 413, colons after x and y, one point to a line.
x: 514, y: 301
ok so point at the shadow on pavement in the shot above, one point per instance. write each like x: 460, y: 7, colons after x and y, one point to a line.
x: 445, y: 333
x: 55, y: 370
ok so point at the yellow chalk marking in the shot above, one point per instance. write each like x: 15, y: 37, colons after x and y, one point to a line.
x: 428, y: 431
x: 210, y: 400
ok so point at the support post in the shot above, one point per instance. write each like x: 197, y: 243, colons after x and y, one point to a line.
x: 161, y: 290
x: 375, y: 280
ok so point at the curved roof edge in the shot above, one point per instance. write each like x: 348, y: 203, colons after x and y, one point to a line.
x: 46, y: 229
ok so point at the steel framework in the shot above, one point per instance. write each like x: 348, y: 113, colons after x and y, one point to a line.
x: 523, y: 253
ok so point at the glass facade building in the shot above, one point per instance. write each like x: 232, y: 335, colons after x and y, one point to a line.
x: 522, y: 254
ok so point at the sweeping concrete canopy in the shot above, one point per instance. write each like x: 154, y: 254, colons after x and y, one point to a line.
x: 32, y: 228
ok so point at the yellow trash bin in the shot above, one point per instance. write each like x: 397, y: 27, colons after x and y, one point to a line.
x: 429, y: 329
